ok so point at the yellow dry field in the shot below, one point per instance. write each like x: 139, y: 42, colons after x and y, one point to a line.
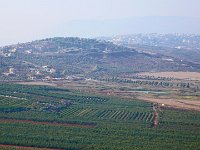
x: 175, y: 103
x: 177, y: 75
x: 37, y: 83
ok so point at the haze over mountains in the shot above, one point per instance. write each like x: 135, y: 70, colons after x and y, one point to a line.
x: 157, y: 24
x: 104, y: 27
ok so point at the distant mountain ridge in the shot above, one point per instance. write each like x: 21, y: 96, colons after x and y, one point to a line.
x: 86, y: 58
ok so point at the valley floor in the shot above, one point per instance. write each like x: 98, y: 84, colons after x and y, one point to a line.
x: 132, y: 112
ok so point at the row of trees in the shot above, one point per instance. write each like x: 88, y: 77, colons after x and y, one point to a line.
x: 154, y: 83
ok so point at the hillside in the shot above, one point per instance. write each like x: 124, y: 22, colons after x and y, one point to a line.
x: 185, y: 47
x: 82, y: 58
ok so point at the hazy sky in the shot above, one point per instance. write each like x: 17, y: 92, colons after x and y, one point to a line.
x: 24, y: 20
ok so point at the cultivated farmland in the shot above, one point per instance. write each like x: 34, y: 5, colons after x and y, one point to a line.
x: 60, y: 118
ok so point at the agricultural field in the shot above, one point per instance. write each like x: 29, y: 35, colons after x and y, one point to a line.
x: 48, y: 117
x: 178, y: 75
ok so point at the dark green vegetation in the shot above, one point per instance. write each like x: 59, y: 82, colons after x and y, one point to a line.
x: 83, y: 58
x: 112, y: 123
